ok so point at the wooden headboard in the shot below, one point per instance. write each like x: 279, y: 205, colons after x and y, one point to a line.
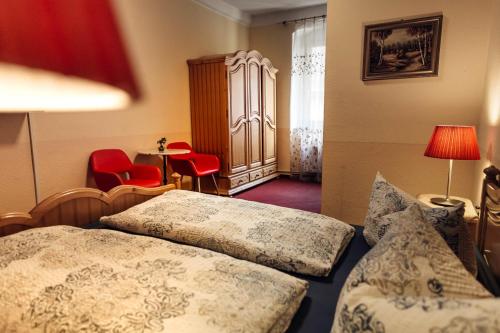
x: 80, y: 207
x: 489, y: 221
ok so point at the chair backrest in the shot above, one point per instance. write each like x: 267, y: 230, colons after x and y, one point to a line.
x: 110, y: 160
x: 179, y: 145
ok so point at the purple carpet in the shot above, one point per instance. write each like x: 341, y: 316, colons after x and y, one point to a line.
x: 286, y: 192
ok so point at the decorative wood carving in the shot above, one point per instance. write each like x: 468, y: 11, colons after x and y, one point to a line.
x: 80, y: 206
x: 269, y: 114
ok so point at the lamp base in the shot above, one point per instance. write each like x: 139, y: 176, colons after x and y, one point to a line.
x: 446, y: 202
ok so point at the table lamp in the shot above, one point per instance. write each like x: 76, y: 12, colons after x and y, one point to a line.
x: 453, y: 143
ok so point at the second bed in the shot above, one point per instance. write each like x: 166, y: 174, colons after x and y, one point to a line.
x: 283, y: 238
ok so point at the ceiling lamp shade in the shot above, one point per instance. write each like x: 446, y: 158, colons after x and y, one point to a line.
x: 453, y: 142
x: 62, y: 55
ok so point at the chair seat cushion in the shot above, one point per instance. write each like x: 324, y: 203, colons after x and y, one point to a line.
x: 205, y: 171
x: 143, y: 182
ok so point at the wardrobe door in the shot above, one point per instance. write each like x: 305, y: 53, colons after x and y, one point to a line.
x: 269, y: 114
x: 254, y: 113
x: 237, y: 116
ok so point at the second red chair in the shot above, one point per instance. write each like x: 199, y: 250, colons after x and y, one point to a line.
x: 194, y: 164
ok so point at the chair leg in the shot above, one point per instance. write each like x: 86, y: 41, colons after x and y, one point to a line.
x: 215, y: 183
x: 193, y: 183
x: 198, y: 181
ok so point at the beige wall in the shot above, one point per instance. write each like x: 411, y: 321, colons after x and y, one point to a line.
x: 160, y: 36
x: 275, y: 42
x: 488, y: 135
x: 385, y: 125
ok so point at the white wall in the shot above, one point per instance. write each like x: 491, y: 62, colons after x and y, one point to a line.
x: 385, y: 125
x: 488, y: 134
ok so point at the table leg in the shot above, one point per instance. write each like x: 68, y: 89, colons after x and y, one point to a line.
x: 165, y: 179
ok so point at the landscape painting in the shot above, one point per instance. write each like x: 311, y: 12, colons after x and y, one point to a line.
x: 400, y: 49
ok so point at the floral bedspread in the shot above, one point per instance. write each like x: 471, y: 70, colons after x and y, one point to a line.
x: 67, y: 279
x: 283, y: 238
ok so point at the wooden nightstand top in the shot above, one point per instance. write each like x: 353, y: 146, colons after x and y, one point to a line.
x: 470, y: 214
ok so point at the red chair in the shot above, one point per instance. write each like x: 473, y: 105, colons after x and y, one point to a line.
x: 108, y: 166
x: 193, y: 164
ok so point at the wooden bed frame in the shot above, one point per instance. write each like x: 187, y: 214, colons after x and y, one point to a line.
x: 489, y: 222
x: 489, y: 227
x: 81, y: 206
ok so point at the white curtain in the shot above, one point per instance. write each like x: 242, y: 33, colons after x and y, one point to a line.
x: 307, y: 95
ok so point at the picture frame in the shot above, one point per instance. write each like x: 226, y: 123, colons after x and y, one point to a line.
x: 402, y: 49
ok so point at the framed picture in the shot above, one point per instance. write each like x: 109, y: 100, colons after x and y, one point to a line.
x: 401, y: 49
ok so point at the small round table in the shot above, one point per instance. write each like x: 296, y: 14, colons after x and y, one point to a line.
x: 164, y: 155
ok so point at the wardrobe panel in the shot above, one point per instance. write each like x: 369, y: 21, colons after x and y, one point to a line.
x: 237, y: 94
x: 269, y: 102
x: 255, y: 143
x: 239, y: 148
x: 255, y: 112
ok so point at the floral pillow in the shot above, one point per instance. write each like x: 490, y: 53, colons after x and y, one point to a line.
x: 387, y: 200
x: 365, y: 313
x: 411, y: 280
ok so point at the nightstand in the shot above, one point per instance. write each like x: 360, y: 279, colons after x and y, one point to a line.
x: 470, y: 216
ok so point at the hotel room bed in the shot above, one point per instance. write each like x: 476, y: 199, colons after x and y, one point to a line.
x: 317, y: 309
x: 316, y: 312
x: 82, y: 207
x: 63, y: 278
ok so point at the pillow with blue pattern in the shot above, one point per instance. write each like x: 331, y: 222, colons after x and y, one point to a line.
x: 388, y: 201
x: 412, y: 282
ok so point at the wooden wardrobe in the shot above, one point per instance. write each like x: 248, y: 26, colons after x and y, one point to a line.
x: 233, y: 115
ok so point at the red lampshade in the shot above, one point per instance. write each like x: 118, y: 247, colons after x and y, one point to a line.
x: 62, y: 55
x: 454, y: 143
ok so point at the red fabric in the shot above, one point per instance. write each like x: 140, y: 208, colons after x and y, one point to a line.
x: 108, y: 164
x: 181, y: 145
x: 143, y: 182
x: 192, y: 164
x: 74, y: 37
x: 105, y: 181
x: 182, y: 166
x: 142, y: 171
x: 453, y: 142
x: 206, y: 164
x: 110, y: 160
